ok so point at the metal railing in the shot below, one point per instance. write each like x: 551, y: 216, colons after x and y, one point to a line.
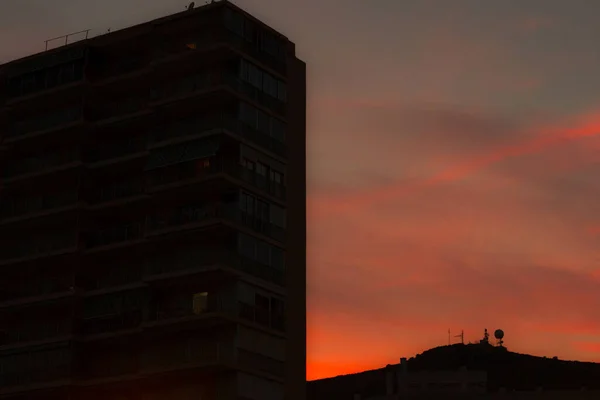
x: 112, y: 323
x: 191, y: 171
x: 66, y: 37
x: 19, y: 207
x: 204, y: 212
x: 191, y: 352
x: 198, y: 258
x: 115, y: 235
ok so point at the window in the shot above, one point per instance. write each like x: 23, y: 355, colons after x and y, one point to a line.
x: 262, y: 122
x: 263, y: 252
x: 277, y: 216
x: 234, y: 22
x: 272, y: 45
x: 261, y: 169
x: 248, y: 114
x: 47, y: 78
x: 255, y: 77
x: 277, y: 314
x: 262, y: 80
x: 277, y: 130
x: 276, y: 177
x: 270, y: 85
x: 250, y: 165
x: 200, y: 303
x: 247, y: 203
x: 281, y: 91
x: 249, y: 31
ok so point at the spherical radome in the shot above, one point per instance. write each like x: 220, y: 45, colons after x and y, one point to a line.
x: 499, y: 334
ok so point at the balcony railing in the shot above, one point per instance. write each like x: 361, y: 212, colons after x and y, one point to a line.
x: 249, y: 48
x: 261, y: 316
x: 189, y: 353
x: 41, y: 163
x: 120, y: 108
x: 45, y: 122
x: 229, y: 212
x: 107, y: 69
x: 119, y: 234
x: 260, y: 362
x: 37, y: 331
x: 112, y: 323
x: 117, y: 191
x: 263, y: 140
x: 198, y: 259
x: 256, y: 95
x: 24, y: 287
x: 120, y: 149
x: 57, y: 372
x: 39, y: 246
x: 118, y: 275
x: 180, y: 307
x: 19, y: 207
x: 257, y: 224
x: 182, y: 87
x: 190, y: 172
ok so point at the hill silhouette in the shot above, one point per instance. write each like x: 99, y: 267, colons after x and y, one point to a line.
x: 510, y: 370
x: 505, y: 369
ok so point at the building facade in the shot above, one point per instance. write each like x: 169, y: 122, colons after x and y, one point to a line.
x: 153, y: 214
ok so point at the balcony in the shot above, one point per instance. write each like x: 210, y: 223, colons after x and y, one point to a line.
x: 121, y: 109
x: 116, y: 275
x: 116, y: 235
x: 182, y: 88
x: 34, y: 376
x: 198, y: 259
x: 171, y: 308
x: 116, y: 191
x: 261, y: 316
x: 189, y: 173
x: 117, y: 151
x: 29, y: 207
x: 25, y: 369
x: 39, y: 331
x: 37, y: 247
x: 111, y: 323
x: 236, y: 41
x: 191, y: 215
x: 45, y: 123
x: 42, y: 164
x: 192, y: 353
x: 21, y: 290
x: 202, y: 125
x: 265, y: 141
x: 254, y: 94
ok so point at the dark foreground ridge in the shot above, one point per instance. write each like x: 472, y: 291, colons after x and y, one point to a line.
x: 510, y: 370
x: 505, y: 371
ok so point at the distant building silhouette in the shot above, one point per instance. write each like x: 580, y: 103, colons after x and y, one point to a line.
x: 153, y: 214
x: 473, y: 371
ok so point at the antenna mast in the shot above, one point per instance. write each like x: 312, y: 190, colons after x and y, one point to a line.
x: 461, y: 336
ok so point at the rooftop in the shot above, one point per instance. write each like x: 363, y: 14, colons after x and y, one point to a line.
x: 86, y: 39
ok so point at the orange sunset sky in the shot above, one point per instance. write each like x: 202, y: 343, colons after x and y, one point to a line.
x: 454, y: 166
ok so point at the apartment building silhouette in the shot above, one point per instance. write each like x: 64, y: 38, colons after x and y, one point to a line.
x: 153, y: 214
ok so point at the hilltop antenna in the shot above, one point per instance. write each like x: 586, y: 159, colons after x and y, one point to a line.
x: 499, y: 335
x: 486, y: 337
x: 461, y: 336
